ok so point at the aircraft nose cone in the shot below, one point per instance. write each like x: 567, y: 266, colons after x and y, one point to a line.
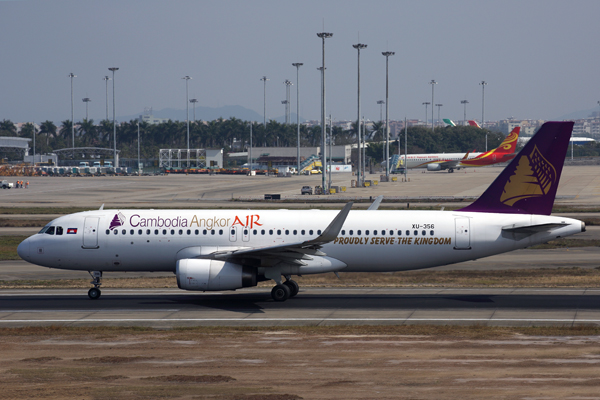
x: 23, y: 249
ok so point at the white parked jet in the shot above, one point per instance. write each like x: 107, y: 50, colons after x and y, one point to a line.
x: 230, y: 249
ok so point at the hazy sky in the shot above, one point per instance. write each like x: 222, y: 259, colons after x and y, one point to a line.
x: 540, y: 58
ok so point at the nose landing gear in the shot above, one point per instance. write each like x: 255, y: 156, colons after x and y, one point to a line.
x: 94, y: 293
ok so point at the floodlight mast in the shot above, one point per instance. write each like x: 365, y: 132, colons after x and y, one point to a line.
x: 116, y: 164
x: 359, y: 175
x: 381, y: 103
x: 426, y: 103
x: 432, y: 83
x: 387, y: 55
x: 194, y: 101
x: 439, y: 106
x: 298, y: 65
x: 86, y: 100
x: 72, y: 75
x: 465, y: 102
x: 483, y: 83
x: 264, y: 79
x: 323, y: 36
x: 106, y: 79
x: 187, y: 115
x: 287, y: 84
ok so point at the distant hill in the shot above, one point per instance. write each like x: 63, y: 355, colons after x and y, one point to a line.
x: 578, y: 114
x: 208, y: 114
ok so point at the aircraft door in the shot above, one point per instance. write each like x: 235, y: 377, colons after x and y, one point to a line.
x: 90, y: 233
x: 463, y: 234
x: 233, y: 234
x: 246, y: 234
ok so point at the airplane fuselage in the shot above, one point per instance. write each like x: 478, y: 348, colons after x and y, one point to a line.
x: 370, y: 241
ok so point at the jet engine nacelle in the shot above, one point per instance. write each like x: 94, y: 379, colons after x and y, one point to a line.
x: 434, y: 167
x: 206, y: 275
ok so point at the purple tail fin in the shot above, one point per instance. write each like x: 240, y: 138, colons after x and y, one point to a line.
x: 528, y: 184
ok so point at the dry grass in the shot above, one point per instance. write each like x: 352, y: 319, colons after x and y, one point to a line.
x: 538, y: 277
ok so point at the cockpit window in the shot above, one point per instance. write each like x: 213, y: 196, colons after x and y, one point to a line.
x: 59, y: 230
x: 44, y: 229
x: 50, y: 230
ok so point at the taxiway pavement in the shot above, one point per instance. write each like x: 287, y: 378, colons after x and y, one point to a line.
x: 164, y: 308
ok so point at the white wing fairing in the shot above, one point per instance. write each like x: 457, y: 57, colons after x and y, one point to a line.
x: 231, y: 249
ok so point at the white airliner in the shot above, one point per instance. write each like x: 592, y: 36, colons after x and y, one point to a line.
x: 442, y: 161
x: 210, y: 250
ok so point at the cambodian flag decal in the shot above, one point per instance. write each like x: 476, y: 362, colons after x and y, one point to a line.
x: 71, y: 231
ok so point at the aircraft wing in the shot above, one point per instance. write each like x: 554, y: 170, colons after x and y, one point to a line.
x: 292, y: 253
x: 445, y: 164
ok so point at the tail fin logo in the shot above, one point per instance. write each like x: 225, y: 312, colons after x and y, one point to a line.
x: 509, y: 143
x: 117, y: 221
x: 534, y: 176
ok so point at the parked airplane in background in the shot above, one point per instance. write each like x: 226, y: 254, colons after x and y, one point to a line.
x: 215, y: 250
x: 473, y: 123
x: 451, y: 161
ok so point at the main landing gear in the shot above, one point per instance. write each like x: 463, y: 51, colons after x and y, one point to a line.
x: 94, y: 293
x: 285, y: 290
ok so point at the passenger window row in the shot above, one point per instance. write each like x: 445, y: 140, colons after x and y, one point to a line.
x: 206, y: 232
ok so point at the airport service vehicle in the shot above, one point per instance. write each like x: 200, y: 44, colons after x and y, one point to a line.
x: 216, y: 250
x: 306, y: 190
x: 7, y: 185
x: 450, y: 161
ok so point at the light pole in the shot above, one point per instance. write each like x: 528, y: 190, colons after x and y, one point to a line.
x: 465, y: 102
x: 187, y: 115
x: 387, y: 55
x: 86, y: 100
x: 264, y: 79
x: 323, y: 36
x: 194, y: 101
x: 287, y: 105
x: 432, y: 83
x: 426, y: 103
x: 359, y: 181
x: 116, y: 161
x: 250, y: 152
x: 483, y: 83
x: 439, y: 106
x: 138, y: 126
x: 72, y: 75
x: 287, y: 84
x: 381, y: 103
x: 298, y: 65
x: 106, y: 79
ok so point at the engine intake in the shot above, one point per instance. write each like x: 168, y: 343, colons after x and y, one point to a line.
x: 207, y: 275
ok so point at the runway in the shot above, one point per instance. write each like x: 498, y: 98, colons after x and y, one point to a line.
x: 165, y: 308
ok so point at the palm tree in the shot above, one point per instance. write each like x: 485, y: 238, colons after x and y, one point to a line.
x: 87, y: 132
x: 49, y: 129
x: 8, y: 128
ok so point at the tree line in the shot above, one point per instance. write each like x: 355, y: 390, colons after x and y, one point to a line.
x: 229, y: 133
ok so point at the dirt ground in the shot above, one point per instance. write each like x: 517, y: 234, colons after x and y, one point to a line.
x: 328, y: 363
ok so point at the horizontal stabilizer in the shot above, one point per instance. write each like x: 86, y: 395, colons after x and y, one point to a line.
x: 521, y: 232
